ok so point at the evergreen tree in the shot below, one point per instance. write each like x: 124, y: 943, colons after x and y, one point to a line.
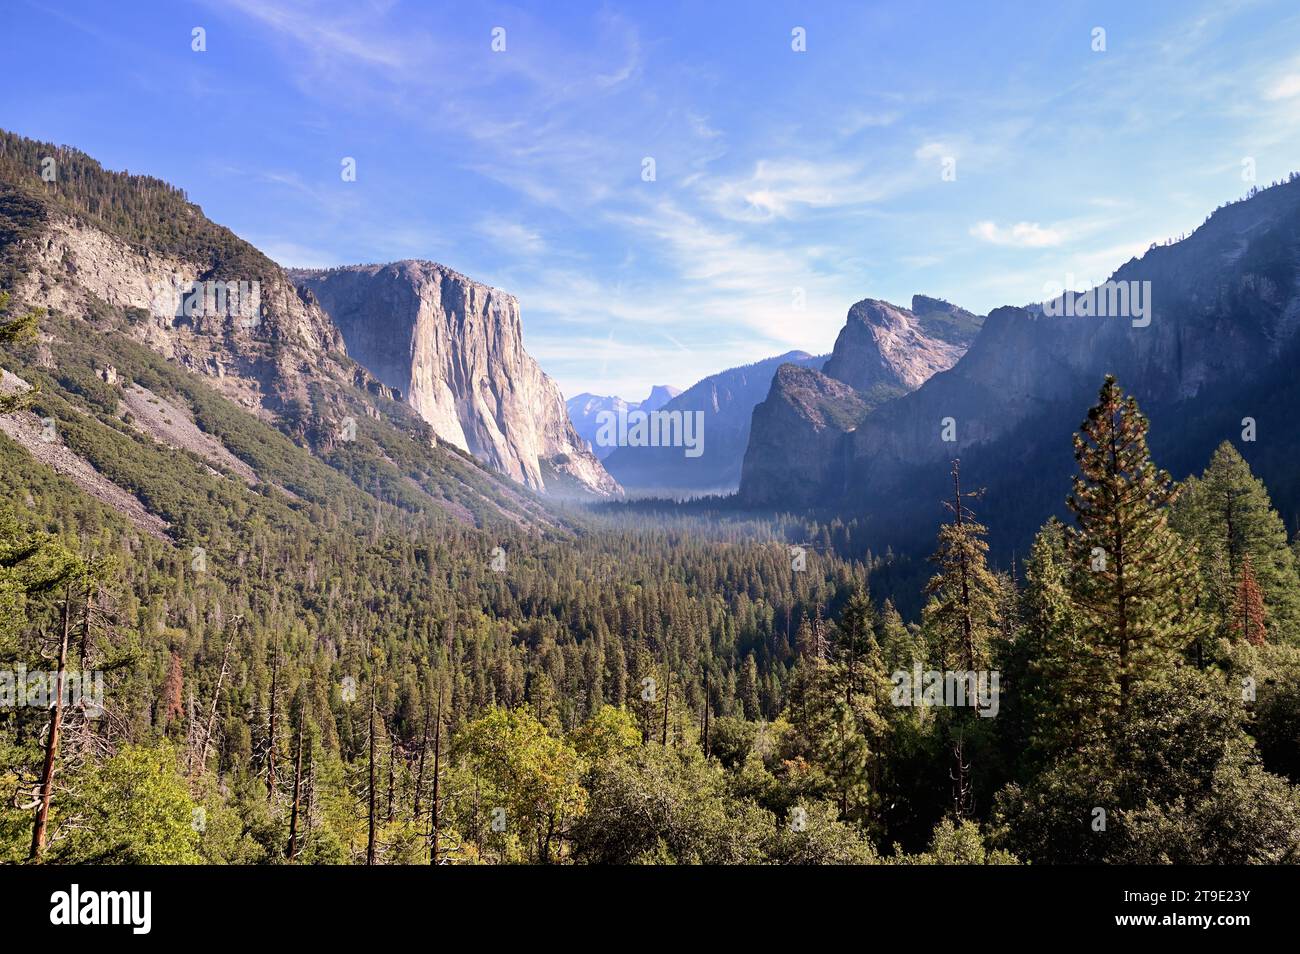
x: 1227, y: 513
x: 1051, y: 672
x: 1248, y: 616
x: 960, y: 617
x: 748, y: 690
x: 960, y: 621
x: 1134, y: 580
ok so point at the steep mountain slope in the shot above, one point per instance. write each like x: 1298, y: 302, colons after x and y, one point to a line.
x: 805, y: 416
x: 798, y: 451
x: 453, y: 348
x: 727, y: 401
x: 585, y: 410
x: 1215, y: 348
x: 173, y: 408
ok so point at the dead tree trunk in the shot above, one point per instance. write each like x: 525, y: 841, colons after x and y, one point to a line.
x: 419, y: 774
x: 311, y: 791
x: 216, y: 697
x: 706, y: 712
x: 392, y: 757
x: 370, y: 837
x: 668, y: 688
x: 52, y: 741
x: 297, y: 794
x: 435, y: 809
x: 270, y: 755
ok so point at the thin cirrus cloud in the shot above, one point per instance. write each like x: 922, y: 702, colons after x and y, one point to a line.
x: 1284, y: 87
x: 1018, y: 235
x: 781, y: 188
x: 512, y: 236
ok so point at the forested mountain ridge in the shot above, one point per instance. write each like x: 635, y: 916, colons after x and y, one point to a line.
x: 1214, y: 350
x: 178, y: 410
x: 95, y: 242
x: 137, y: 244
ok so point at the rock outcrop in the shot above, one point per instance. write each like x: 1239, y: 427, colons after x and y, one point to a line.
x: 882, y: 345
x: 125, y: 265
x: 799, y: 449
x: 266, y: 351
x: 807, y: 417
x: 727, y: 401
x: 454, y: 350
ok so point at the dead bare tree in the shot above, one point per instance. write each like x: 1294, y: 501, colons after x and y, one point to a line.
x: 297, y: 786
x: 202, y: 761
x: 270, y: 754
x: 41, y: 821
x: 370, y: 836
x: 435, y: 821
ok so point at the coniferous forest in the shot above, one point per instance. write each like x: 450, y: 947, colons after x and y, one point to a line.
x: 322, y: 691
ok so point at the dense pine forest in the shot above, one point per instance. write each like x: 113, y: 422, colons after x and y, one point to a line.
x: 310, y: 677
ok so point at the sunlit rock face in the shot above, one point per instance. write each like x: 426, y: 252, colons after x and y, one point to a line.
x: 454, y: 349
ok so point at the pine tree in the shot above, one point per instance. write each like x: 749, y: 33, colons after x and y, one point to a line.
x: 834, y: 712
x: 1248, y: 615
x: 1134, y: 580
x: 856, y: 653
x: 1228, y: 514
x: 960, y: 618
x: 16, y: 330
x: 748, y: 691
x: 901, y: 647
x: 960, y: 622
x: 298, y: 716
x: 1054, y: 669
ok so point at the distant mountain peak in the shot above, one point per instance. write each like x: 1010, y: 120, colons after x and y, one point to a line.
x: 660, y: 395
x: 727, y: 401
x: 800, y: 433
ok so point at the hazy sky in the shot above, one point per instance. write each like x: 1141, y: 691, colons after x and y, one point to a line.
x: 779, y: 175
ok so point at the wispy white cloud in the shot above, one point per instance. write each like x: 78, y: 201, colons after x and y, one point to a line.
x: 837, y: 193
x: 780, y: 188
x: 512, y: 237
x: 1019, y: 235
x: 1284, y: 87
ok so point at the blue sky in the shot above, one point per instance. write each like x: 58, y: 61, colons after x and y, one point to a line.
x: 779, y: 175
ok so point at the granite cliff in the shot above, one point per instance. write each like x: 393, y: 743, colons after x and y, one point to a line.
x: 800, y: 450
x: 453, y: 348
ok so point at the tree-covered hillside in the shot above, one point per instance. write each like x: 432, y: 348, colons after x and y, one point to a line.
x: 393, y: 689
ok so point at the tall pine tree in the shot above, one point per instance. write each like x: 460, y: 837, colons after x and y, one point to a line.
x: 1228, y: 514
x: 1134, y: 579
